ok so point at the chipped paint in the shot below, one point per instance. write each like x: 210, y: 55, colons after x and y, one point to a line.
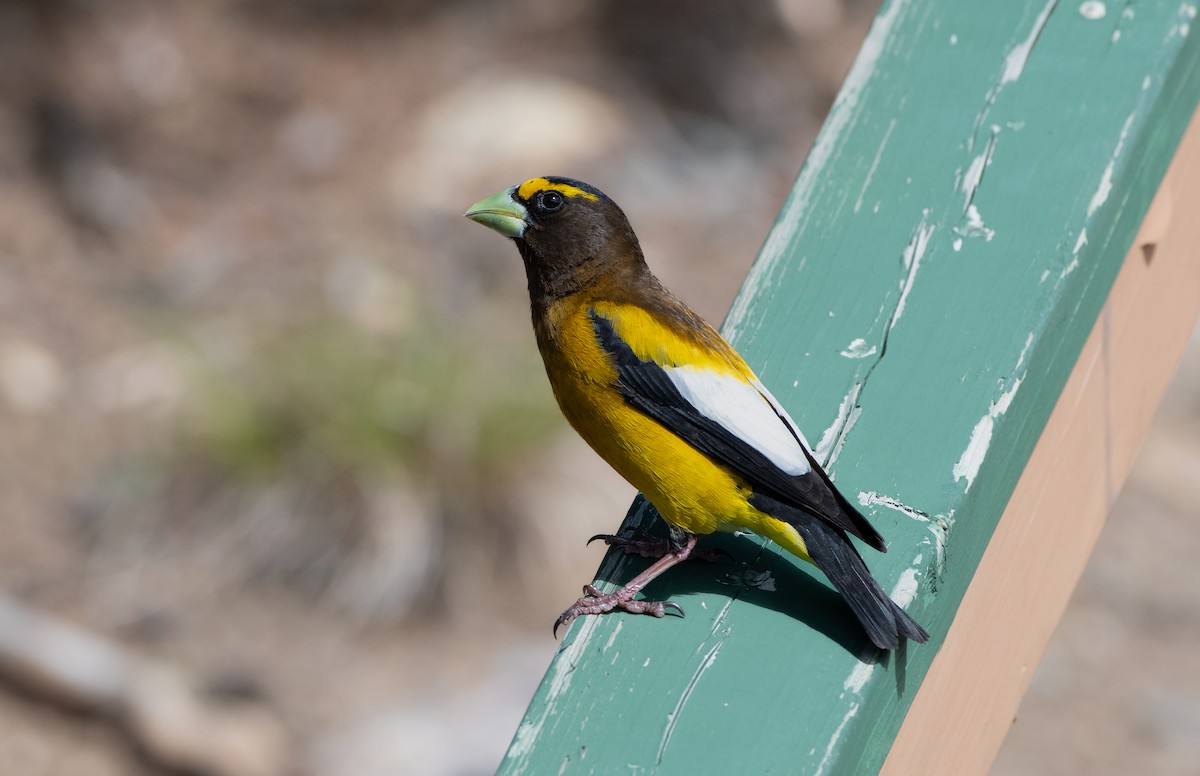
x: 825, y: 446
x: 974, y: 174
x: 957, y: 244
x: 858, y: 348
x: 858, y: 677
x: 1093, y: 10
x: 833, y: 739
x: 871, y: 498
x: 1082, y: 241
x: 1024, y: 351
x: 612, y: 639
x: 938, y: 525
x: 1018, y: 56
x: 974, y: 226
x: 1106, y: 178
x: 673, y: 717
x: 906, y: 586
x: 912, y: 255
x: 971, y: 459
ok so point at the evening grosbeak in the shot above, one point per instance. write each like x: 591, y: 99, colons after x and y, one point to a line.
x: 662, y: 397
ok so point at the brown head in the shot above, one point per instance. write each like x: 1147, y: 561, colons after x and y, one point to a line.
x: 570, y: 235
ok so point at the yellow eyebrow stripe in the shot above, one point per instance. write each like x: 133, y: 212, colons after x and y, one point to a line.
x: 529, y: 188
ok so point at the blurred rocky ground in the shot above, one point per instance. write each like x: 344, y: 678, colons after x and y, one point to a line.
x: 273, y: 415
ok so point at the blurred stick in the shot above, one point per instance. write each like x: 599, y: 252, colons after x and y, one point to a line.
x: 165, y: 711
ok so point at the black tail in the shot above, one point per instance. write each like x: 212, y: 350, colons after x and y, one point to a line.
x: 832, y: 552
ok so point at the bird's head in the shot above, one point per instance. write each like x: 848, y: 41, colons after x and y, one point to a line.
x: 569, y: 233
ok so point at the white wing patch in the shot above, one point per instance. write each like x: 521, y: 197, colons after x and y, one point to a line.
x: 747, y: 411
x: 779, y: 410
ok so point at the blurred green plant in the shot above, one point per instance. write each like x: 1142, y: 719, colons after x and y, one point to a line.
x: 324, y: 395
x: 368, y: 469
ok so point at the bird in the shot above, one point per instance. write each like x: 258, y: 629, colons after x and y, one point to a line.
x: 661, y: 396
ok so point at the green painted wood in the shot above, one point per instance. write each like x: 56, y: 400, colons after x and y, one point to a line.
x: 917, y: 307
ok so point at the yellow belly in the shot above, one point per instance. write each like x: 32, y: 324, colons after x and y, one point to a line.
x: 690, y: 490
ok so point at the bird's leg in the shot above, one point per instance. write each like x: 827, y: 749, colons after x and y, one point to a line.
x: 646, y: 545
x: 595, y: 602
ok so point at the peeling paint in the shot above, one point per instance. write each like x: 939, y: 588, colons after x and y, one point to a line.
x: 673, y: 717
x: 1105, y: 187
x: 830, y: 436
x: 974, y: 225
x: 957, y: 244
x: 871, y: 498
x: 858, y: 677
x: 833, y: 739
x: 913, y: 253
x: 612, y: 639
x: 1093, y: 10
x: 858, y: 348
x: 974, y: 174
x: 1082, y: 241
x: 1024, y: 351
x: 906, y: 587
x: 981, y: 437
x: 1014, y: 63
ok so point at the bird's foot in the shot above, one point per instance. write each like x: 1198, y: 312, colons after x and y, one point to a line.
x: 595, y: 602
x: 645, y: 545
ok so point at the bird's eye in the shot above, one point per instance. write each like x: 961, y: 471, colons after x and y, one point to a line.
x: 551, y: 201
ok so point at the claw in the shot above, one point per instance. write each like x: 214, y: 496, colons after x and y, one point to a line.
x: 605, y: 537
x: 675, y: 606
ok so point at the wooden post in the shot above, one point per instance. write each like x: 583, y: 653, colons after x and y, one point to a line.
x: 944, y: 266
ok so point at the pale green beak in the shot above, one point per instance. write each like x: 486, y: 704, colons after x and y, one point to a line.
x: 500, y: 212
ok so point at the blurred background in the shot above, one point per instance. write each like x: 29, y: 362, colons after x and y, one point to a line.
x: 282, y: 486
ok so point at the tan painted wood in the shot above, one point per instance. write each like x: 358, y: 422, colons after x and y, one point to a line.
x: 970, y: 696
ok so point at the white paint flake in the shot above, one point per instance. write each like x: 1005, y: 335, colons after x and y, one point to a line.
x: 913, y: 253
x: 957, y: 244
x: 1093, y: 10
x: 974, y: 174
x: 826, y: 445
x: 1024, y: 351
x: 673, y: 717
x: 981, y: 437
x: 1014, y: 63
x: 906, y: 586
x: 858, y: 678
x: 974, y: 225
x: 1105, y: 187
x: 1082, y: 241
x: 833, y: 739
x: 858, y: 348
x: 612, y: 639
